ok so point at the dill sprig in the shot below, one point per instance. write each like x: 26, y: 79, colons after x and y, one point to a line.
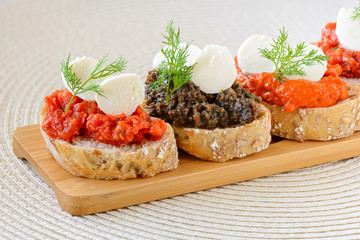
x: 288, y: 60
x: 78, y: 87
x: 173, y: 72
x: 356, y: 13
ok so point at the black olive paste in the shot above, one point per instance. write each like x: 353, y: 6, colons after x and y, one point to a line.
x: 191, y: 107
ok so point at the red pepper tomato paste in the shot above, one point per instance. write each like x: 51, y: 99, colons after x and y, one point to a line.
x: 347, y: 59
x: 84, y: 118
x: 294, y: 94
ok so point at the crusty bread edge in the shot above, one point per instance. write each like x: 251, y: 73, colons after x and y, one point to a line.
x: 222, y: 144
x: 323, y: 123
x: 89, y: 159
x: 355, y: 81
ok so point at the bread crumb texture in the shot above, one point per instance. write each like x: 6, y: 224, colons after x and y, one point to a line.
x: 88, y: 158
x: 323, y: 124
x: 222, y: 144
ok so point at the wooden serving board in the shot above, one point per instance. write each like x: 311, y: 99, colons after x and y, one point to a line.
x: 79, y: 196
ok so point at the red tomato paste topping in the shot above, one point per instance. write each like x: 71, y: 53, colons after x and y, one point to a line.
x: 84, y: 118
x: 294, y: 94
x: 347, y: 59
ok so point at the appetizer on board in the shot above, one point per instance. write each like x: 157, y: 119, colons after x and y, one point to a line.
x: 306, y: 97
x: 95, y: 127
x: 194, y: 89
x: 340, y: 40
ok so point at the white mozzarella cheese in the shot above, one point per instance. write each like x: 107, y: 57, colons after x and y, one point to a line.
x: 314, y: 72
x: 249, y: 57
x: 348, y: 30
x: 83, y: 67
x: 193, y: 51
x: 214, y: 69
x: 123, y: 94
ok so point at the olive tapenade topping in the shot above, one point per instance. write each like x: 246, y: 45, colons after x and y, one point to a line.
x: 191, y: 107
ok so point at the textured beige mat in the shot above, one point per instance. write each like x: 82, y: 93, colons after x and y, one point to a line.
x: 35, y: 36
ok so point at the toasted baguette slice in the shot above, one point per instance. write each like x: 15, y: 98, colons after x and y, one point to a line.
x: 88, y: 158
x: 351, y: 80
x: 222, y: 144
x: 323, y: 123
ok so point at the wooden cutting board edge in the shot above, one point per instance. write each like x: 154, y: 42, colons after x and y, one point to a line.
x: 80, y: 196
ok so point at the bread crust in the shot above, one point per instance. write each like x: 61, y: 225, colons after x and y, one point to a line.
x: 88, y: 158
x: 355, y: 81
x: 222, y: 144
x: 323, y: 124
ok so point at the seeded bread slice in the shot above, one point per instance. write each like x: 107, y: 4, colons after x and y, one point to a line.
x: 327, y: 123
x: 88, y: 158
x: 222, y: 144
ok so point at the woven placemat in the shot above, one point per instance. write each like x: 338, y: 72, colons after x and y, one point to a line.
x: 35, y: 36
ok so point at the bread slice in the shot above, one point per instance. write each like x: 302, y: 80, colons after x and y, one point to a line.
x: 323, y: 123
x: 88, y: 158
x: 222, y: 144
x: 351, y: 80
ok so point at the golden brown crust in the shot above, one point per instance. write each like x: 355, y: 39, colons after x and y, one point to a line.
x: 87, y: 158
x: 220, y: 145
x: 338, y: 121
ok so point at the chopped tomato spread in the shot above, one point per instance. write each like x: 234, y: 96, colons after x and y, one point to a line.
x: 294, y: 94
x: 84, y: 118
x: 347, y: 59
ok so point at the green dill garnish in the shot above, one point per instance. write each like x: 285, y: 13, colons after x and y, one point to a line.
x: 78, y: 87
x: 290, y: 60
x: 356, y: 12
x: 250, y: 95
x: 173, y: 71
